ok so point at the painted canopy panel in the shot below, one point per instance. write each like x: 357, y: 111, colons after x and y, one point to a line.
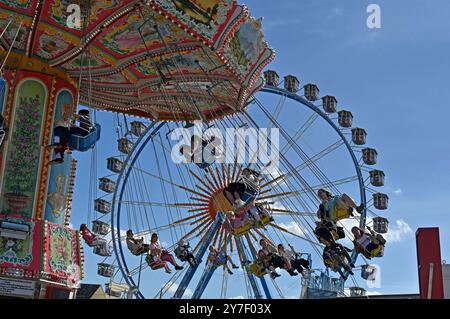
x: 162, y: 59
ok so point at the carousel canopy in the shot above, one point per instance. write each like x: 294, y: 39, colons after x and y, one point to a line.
x: 159, y: 59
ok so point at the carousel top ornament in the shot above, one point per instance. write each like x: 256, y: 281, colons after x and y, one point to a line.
x: 173, y: 60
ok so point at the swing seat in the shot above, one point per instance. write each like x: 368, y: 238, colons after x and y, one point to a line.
x: 257, y: 269
x: 327, y: 243
x: 154, y: 265
x: 178, y: 253
x: 332, y: 264
x: 221, y: 259
x: 249, y: 196
x: 376, y: 253
x: 85, y: 143
x: 250, y: 225
x: 335, y: 265
x: 340, y: 214
x: 138, y: 252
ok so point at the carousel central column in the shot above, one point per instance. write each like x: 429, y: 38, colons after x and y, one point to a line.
x: 40, y: 257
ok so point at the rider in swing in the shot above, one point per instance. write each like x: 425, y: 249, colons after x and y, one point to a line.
x: 249, y: 181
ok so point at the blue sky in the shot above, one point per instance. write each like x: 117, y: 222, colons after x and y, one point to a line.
x: 393, y: 79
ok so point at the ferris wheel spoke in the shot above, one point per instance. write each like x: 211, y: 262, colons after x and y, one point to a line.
x: 337, y: 182
x: 189, y: 218
x: 285, y: 194
x: 320, y: 155
x: 155, y: 230
x: 278, y: 110
x: 293, y: 234
x: 301, y: 131
x: 136, y: 270
x: 209, y: 190
x: 216, y: 182
x: 155, y: 204
x: 273, y: 181
x: 199, y: 220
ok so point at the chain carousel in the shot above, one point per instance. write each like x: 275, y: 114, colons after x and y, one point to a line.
x: 160, y: 229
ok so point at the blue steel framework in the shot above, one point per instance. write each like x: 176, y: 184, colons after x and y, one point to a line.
x: 322, y: 283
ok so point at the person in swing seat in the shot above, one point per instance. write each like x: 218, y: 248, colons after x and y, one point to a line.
x: 248, y: 182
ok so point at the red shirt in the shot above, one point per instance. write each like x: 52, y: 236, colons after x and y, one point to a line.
x: 88, y: 236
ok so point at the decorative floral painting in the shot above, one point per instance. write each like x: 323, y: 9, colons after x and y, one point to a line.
x: 17, y: 252
x: 61, y: 250
x: 24, y: 151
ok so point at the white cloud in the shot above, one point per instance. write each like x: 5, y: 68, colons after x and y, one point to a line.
x: 293, y: 227
x: 398, y: 232
x: 173, y: 288
x: 398, y: 191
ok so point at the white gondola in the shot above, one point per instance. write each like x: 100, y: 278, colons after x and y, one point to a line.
x: 312, y: 92
x: 102, y: 249
x: 345, y: 118
x: 370, y: 156
x: 368, y: 272
x: 102, y: 206
x: 359, y: 136
x: 329, y: 104
x: 377, y: 178
x: 380, y: 201
x: 137, y: 128
x: 125, y: 145
x: 105, y: 270
x: 116, y: 290
x: 357, y: 292
x: 291, y: 83
x: 107, y: 185
x: 115, y: 165
x: 272, y: 78
x: 100, y: 227
x: 380, y: 225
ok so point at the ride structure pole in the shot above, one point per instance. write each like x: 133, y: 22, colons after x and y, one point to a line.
x: 203, y: 282
x: 192, y: 269
x: 244, y: 261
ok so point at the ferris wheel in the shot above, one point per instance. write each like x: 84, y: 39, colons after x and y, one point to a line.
x: 280, y: 223
x: 148, y: 193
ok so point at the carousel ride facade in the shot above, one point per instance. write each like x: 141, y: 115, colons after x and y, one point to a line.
x: 164, y: 65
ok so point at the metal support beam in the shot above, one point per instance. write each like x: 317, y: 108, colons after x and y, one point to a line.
x: 201, y: 252
x: 256, y: 292
x: 204, y: 280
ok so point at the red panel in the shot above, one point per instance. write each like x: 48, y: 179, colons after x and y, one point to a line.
x: 28, y: 255
x: 429, y: 253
